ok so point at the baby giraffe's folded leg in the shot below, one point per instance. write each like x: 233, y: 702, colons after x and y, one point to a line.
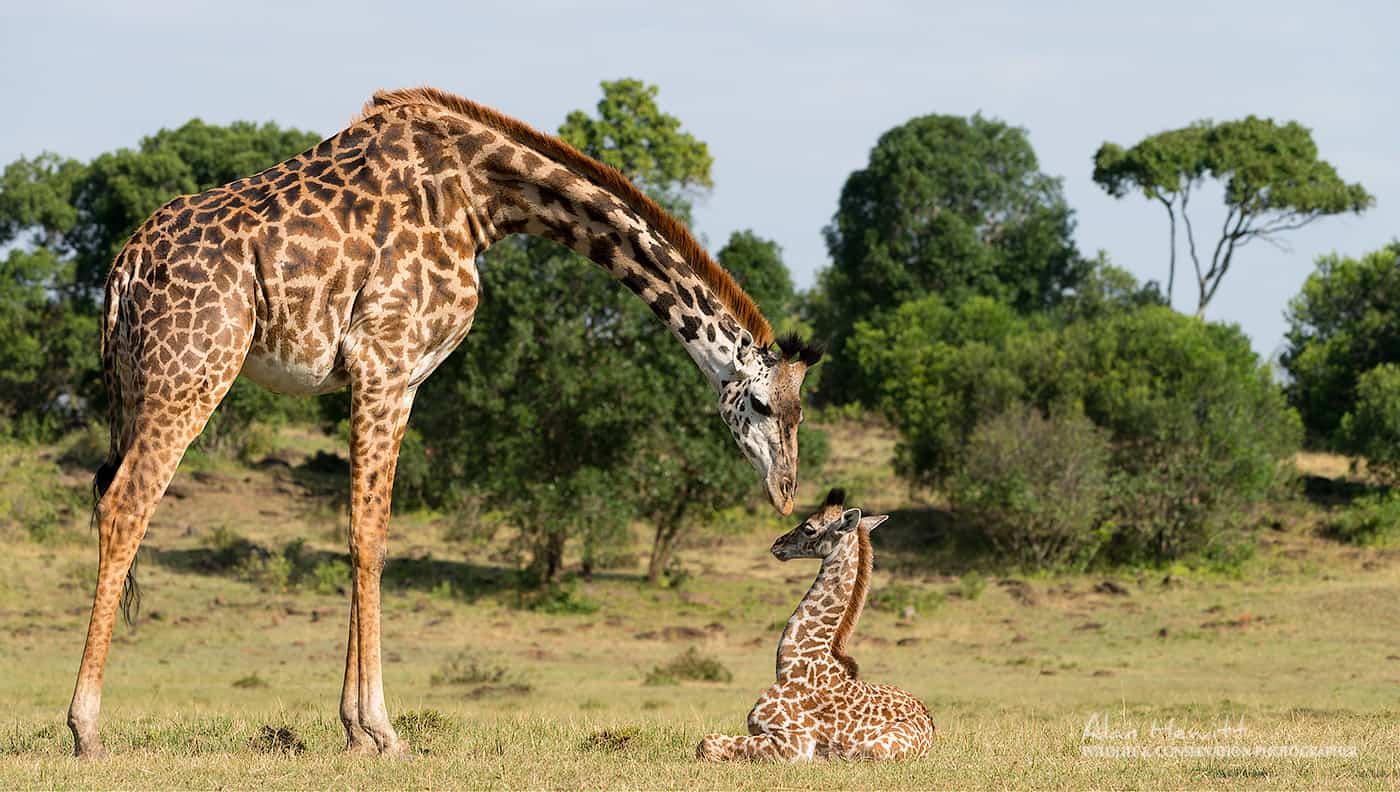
x: 908, y: 739
x: 778, y: 747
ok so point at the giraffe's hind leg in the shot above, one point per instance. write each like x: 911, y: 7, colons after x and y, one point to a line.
x: 167, y: 365
x: 161, y: 435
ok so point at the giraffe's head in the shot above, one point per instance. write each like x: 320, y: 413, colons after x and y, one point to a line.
x: 825, y: 530
x: 763, y: 406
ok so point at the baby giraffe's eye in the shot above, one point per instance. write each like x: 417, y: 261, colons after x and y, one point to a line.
x: 809, y: 529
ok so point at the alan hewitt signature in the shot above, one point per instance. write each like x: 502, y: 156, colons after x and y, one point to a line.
x: 1100, y: 728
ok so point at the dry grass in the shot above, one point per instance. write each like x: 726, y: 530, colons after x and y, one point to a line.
x: 1301, y: 647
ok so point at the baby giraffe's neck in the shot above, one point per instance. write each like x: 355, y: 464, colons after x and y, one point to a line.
x: 818, y: 631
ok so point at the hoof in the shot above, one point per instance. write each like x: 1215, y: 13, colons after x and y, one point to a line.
x: 90, y: 750
x: 361, y: 747
x: 398, y: 749
x: 709, y: 749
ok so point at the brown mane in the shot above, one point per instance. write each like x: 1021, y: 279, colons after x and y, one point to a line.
x: 729, y: 292
x: 865, y: 562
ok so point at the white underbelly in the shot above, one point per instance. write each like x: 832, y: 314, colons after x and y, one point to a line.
x: 284, y: 377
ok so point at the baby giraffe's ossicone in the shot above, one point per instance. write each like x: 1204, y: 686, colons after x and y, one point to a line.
x: 818, y: 707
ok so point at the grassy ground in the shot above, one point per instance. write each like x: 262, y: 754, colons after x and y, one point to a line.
x: 228, y: 682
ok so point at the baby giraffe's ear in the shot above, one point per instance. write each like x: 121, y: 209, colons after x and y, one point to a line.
x: 869, y: 523
x: 849, y: 520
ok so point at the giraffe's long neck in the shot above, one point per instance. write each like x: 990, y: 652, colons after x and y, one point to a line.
x: 521, y: 188
x: 820, y: 629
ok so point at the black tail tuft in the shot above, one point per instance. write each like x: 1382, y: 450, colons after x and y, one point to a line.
x: 101, y: 481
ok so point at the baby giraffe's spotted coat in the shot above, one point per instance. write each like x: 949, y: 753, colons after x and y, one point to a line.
x: 818, y: 707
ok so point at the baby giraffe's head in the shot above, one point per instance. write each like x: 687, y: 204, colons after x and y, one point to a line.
x: 824, y: 531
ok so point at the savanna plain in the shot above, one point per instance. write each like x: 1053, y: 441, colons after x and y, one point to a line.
x: 230, y: 675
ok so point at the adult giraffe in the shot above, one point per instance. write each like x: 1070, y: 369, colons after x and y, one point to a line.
x: 354, y: 264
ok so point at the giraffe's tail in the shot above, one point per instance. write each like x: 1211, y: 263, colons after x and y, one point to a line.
x: 107, y: 471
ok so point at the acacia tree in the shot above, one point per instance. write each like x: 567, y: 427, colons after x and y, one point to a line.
x: 1273, y: 179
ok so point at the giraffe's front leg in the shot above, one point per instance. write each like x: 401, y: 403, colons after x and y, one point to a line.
x: 357, y: 740
x: 775, y: 747
x: 378, y: 416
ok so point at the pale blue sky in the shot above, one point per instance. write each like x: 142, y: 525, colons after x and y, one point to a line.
x: 789, y: 95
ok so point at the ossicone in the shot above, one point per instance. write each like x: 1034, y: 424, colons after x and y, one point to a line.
x: 793, y: 347
x: 837, y: 497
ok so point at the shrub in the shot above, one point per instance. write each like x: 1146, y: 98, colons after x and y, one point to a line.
x: 251, y: 682
x: 1372, y: 428
x: 468, y: 668
x: 1200, y: 430
x: 689, y: 665
x: 1196, y: 427
x: 1036, y: 487
x: 610, y: 740
x: 428, y: 730
x: 558, y: 598
x: 278, y: 740
x: 971, y: 585
x: 896, y: 597
x: 330, y: 577
x: 1369, y: 520
x: 33, y: 502
x: 938, y: 369
x: 267, y: 572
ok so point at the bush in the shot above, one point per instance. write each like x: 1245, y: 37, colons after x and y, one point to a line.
x: 468, y: 668
x: 269, y: 573
x: 330, y: 577
x: 1200, y: 431
x: 971, y: 585
x: 938, y: 370
x: 1195, y: 426
x: 1372, y: 428
x: 689, y: 665
x: 1369, y: 520
x: 897, y: 597
x: 558, y: 598
x: 33, y: 503
x: 429, y: 731
x: 1036, y: 487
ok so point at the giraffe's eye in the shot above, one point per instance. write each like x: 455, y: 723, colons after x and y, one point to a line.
x: 759, y: 407
x: 809, y: 529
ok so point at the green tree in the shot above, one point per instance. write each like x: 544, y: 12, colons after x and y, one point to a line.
x: 66, y: 220
x: 569, y: 404
x: 1343, y: 323
x: 1274, y: 182
x: 632, y: 134
x: 936, y: 369
x: 1372, y: 427
x: 757, y: 264
x: 946, y: 205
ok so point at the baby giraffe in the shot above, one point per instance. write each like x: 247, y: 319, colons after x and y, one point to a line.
x: 819, y: 708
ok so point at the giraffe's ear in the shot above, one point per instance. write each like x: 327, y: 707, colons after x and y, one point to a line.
x: 849, y: 520
x: 869, y: 523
